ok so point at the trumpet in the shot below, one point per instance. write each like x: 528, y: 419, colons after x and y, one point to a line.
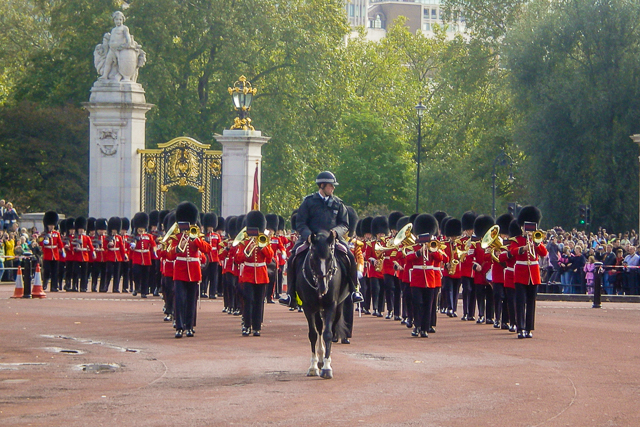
x: 538, y: 236
x: 436, y: 245
x: 194, y: 232
x: 259, y: 241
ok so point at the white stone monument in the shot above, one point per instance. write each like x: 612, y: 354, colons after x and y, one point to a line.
x: 241, y: 149
x: 117, y: 110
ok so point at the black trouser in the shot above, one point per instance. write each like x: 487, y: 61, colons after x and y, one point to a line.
x: 125, y: 269
x: 141, y: 274
x: 253, y: 295
x: 498, y: 300
x: 484, y: 299
x: 112, y: 271
x: 511, y: 304
x: 62, y: 271
x: 186, y: 300
x: 232, y: 290
x: 445, y: 294
x: 365, y: 286
x: 155, y: 277
x: 168, y: 294
x: 526, y: 306
x: 280, y: 280
x: 407, y: 302
x: 68, y: 275
x: 389, y: 286
x: 212, y: 278
x: 422, y: 306
x: 397, y: 296
x: 377, y: 298
x: 26, y: 264
x: 347, y: 312
x: 434, y: 307
x: 271, y: 287
x: 50, y: 271
x: 468, y: 296
x: 98, y: 271
x: 453, y: 294
x: 81, y: 274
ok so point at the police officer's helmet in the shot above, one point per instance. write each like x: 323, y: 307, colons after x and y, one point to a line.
x: 326, y: 177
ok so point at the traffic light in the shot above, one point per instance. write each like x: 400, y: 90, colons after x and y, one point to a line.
x: 588, y: 218
x: 511, y: 208
x: 582, y: 214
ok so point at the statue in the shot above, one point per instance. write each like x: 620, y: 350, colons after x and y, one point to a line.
x: 118, y: 57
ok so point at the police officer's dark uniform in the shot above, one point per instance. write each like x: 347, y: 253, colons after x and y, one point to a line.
x: 321, y: 214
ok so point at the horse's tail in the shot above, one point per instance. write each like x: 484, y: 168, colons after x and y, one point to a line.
x: 340, y: 328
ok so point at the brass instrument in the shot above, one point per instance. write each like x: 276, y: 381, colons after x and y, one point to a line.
x: 380, y: 250
x: 194, y: 232
x: 538, y: 236
x: 405, y: 238
x: 492, y: 241
x: 259, y: 241
x: 436, y: 245
x: 240, y: 237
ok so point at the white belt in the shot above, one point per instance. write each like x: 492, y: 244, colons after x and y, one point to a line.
x: 255, y: 264
x: 423, y: 267
x: 99, y: 250
x: 527, y: 262
x: 509, y: 269
x: 187, y: 258
x: 81, y: 249
x: 143, y: 251
x: 114, y: 249
x: 51, y: 247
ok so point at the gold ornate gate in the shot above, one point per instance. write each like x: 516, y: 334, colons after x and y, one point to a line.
x: 181, y: 162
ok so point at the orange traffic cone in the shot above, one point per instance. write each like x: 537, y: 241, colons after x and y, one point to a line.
x: 37, y: 291
x: 19, y: 290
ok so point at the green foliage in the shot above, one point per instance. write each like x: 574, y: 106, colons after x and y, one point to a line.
x: 45, y: 158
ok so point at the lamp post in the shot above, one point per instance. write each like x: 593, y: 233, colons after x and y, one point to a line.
x: 501, y: 159
x: 242, y: 94
x: 420, y: 110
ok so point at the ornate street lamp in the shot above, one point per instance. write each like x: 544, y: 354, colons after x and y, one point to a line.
x: 503, y: 159
x: 420, y: 108
x: 242, y: 94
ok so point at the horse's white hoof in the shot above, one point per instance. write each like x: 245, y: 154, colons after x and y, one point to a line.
x: 313, y: 372
x: 327, y: 374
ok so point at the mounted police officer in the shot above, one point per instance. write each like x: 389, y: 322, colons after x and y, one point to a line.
x: 322, y: 212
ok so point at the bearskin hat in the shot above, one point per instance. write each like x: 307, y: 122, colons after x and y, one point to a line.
x: 412, y: 217
x: 402, y: 222
x: 294, y: 224
x: 514, y: 229
x: 91, y: 224
x: 169, y: 220
x: 425, y: 223
x: 393, y: 219
x: 230, y: 227
x: 210, y: 219
x: 50, y: 218
x: 272, y: 221
x: 101, y: 224
x: 221, y: 224
x: 80, y: 223
x: 71, y: 224
x: 503, y: 221
x: 154, y: 218
x: 256, y: 219
x: 280, y: 223
x: 468, y: 218
x: 187, y: 212
x: 453, y: 228
x: 161, y: 216
x: 440, y: 215
x: 241, y: 222
x: 140, y: 220
x: 529, y: 214
x: 482, y: 224
x: 443, y: 223
x: 380, y: 225
x: 114, y: 224
x: 62, y: 225
x: 353, y: 220
x: 366, y: 224
x: 359, y: 232
x: 124, y: 223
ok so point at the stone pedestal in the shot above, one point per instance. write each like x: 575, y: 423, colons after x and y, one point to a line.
x: 117, y: 117
x: 241, y: 149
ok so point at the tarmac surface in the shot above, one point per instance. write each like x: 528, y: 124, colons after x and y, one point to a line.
x: 87, y: 359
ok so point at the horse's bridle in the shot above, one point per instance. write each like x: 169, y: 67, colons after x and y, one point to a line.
x: 315, y: 278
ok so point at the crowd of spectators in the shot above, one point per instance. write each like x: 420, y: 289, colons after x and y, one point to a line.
x: 570, y: 267
x: 17, y: 245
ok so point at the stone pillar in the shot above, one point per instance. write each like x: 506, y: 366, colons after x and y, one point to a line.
x: 117, y: 131
x: 241, y: 149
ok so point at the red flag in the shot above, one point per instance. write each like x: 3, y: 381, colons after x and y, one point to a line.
x: 255, y: 200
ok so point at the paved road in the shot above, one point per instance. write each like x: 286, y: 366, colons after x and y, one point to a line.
x: 580, y: 369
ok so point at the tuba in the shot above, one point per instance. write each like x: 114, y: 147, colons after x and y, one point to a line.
x: 492, y: 241
x: 405, y: 238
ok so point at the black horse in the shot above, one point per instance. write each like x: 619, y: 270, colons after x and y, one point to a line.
x: 321, y: 284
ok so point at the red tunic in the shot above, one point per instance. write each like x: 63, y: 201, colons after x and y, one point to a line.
x: 281, y: 257
x: 215, y: 241
x: 278, y: 248
x: 527, y: 270
x: 466, y: 266
x: 497, y: 268
x: 115, y: 251
x: 370, y: 255
x: 186, y: 266
x: 482, y: 260
x: 142, y: 248
x: 100, y: 248
x: 423, y: 274
x: 82, y: 248
x: 254, y: 268
x: 452, y: 255
x: 510, y: 263
x: 52, y: 246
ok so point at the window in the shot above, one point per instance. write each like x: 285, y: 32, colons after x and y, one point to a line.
x: 434, y: 14
x: 426, y: 27
x: 351, y: 10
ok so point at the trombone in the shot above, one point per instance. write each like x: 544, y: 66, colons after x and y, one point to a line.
x: 259, y: 241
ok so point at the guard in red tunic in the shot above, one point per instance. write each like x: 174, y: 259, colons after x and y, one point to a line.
x: 527, y: 270
x: 142, y: 246
x: 497, y: 274
x: 70, y: 260
x: 466, y: 267
x: 229, y: 270
x: 52, y: 250
x: 509, y: 270
x: 481, y: 266
x: 99, y: 264
x: 395, y: 303
x: 114, y: 255
x: 276, y: 247
x: 253, y: 258
x: 185, y: 250
x: 125, y: 265
x: 82, y: 247
x: 168, y: 287
x: 453, y: 271
x: 210, y: 275
x: 155, y: 275
x: 403, y: 269
x: 281, y: 256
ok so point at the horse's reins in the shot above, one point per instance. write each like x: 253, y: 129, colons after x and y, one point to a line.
x: 316, y: 277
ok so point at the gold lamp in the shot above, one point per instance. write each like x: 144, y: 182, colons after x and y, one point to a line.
x: 242, y: 94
